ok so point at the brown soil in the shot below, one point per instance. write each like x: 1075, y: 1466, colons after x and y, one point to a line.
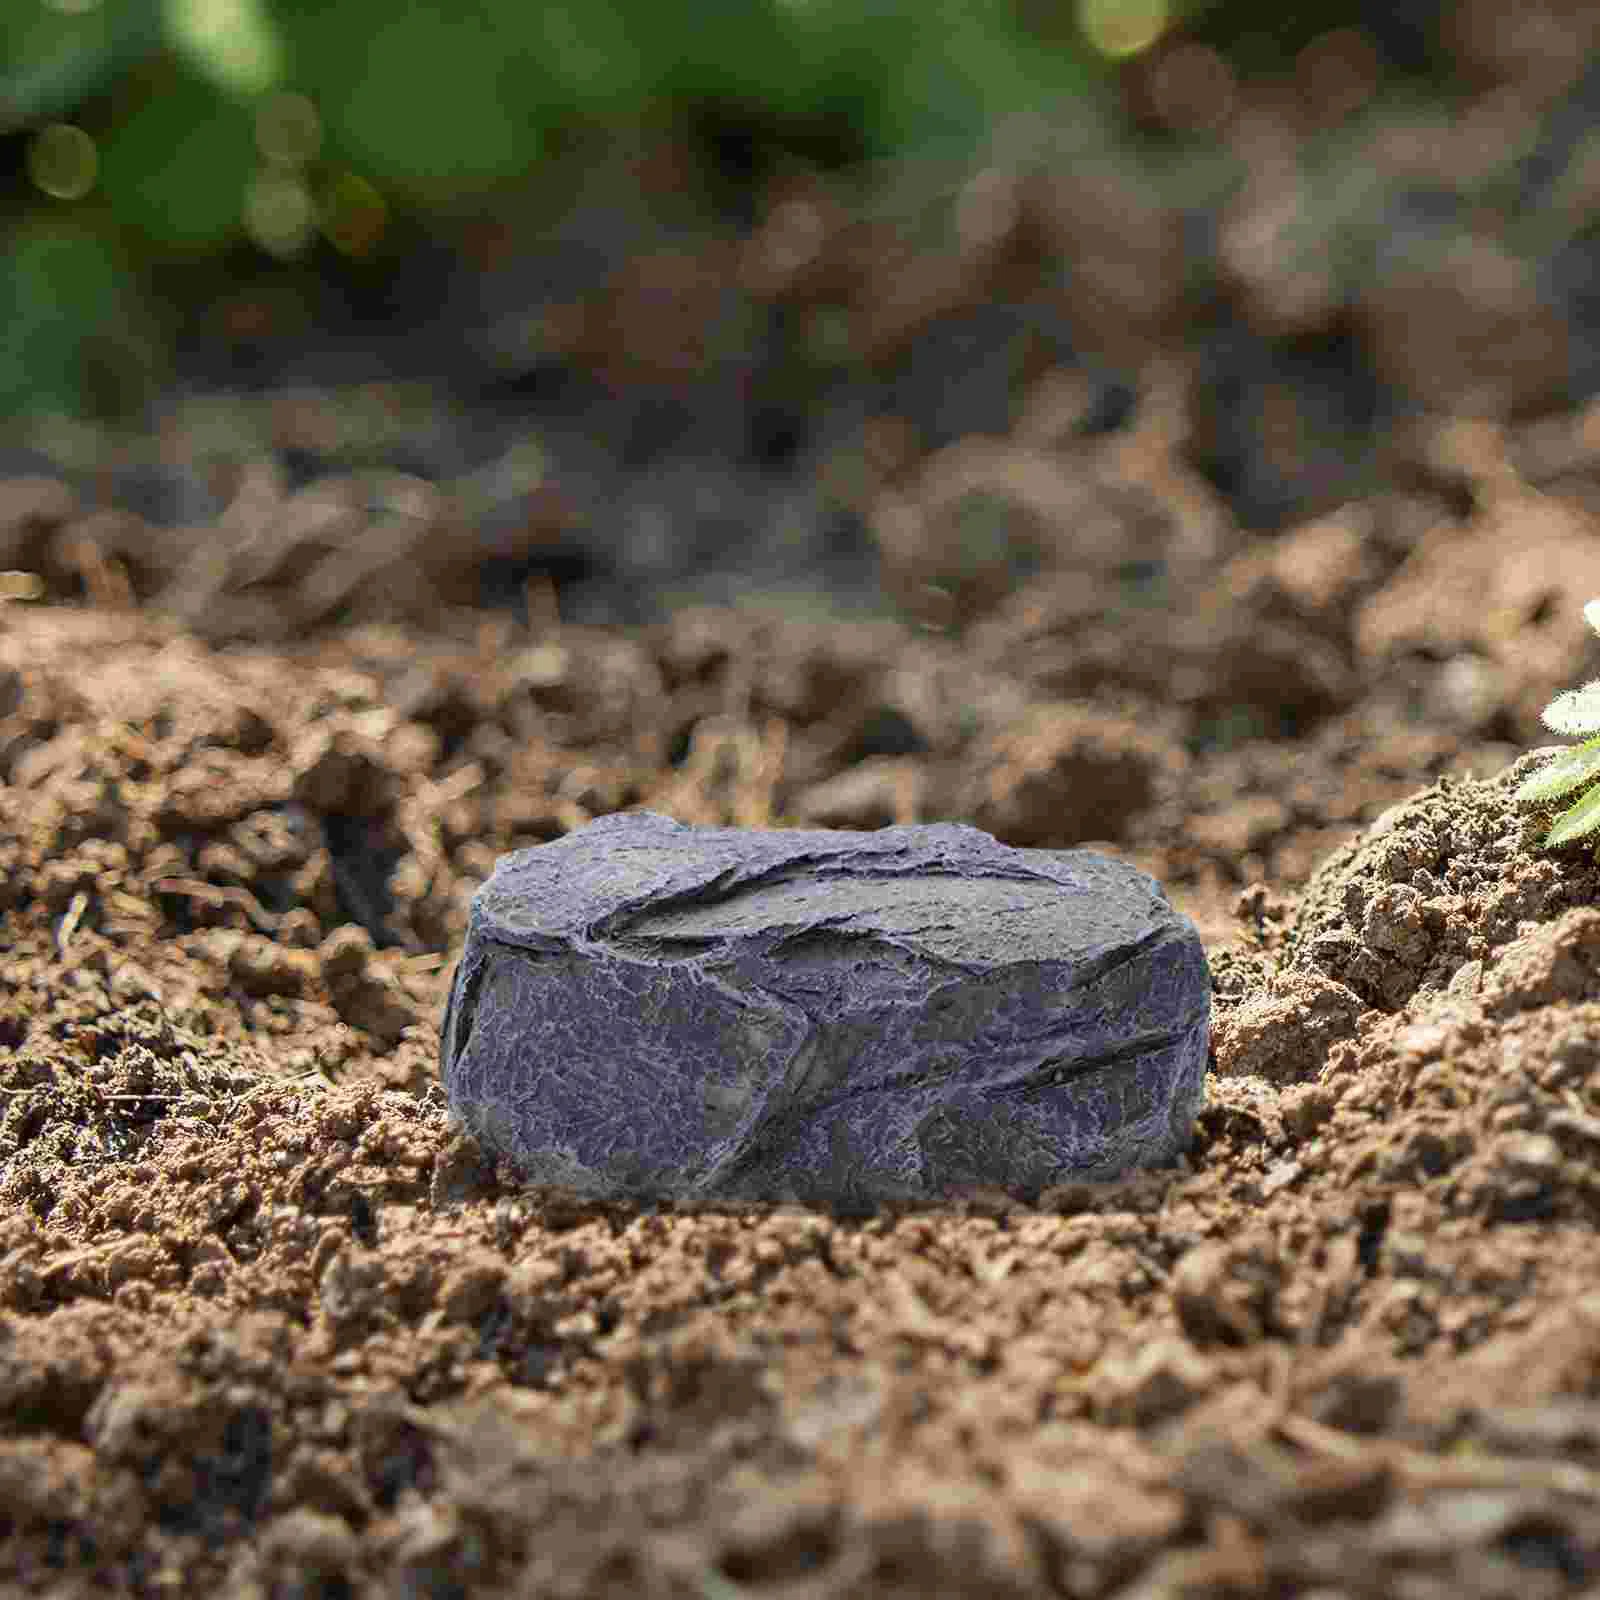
x: 271, y: 1328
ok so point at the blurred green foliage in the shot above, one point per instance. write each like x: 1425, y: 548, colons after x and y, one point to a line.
x: 61, y: 292
x: 199, y: 126
x: 175, y: 168
x: 413, y: 109
x: 54, y: 58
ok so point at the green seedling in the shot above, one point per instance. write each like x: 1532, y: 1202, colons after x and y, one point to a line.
x: 1575, y: 712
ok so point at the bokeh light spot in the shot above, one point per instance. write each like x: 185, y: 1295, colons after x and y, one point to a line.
x: 280, y: 213
x: 1193, y: 89
x: 355, y: 215
x: 1123, y: 28
x: 288, y: 129
x: 232, y: 41
x: 1337, y: 73
x: 63, y: 161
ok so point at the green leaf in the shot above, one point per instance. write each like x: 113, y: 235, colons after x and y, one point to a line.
x: 54, y: 58
x: 177, y: 168
x: 970, y: 65
x: 428, y: 96
x: 70, y: 321
x: 1568, y: 771
x: 1582, y: 819
x: 1577, y: 711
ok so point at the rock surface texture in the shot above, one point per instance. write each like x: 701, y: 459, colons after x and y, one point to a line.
x: 645, y: 1008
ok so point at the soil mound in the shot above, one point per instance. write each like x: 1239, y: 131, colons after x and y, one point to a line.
x: 269, y: 1325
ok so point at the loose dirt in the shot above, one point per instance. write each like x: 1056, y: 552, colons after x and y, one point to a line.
x: 270, y: 1327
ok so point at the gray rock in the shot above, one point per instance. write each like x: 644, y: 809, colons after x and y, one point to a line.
x: 653, y: 1010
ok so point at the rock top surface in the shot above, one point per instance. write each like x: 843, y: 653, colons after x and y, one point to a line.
x: 649, y: 1009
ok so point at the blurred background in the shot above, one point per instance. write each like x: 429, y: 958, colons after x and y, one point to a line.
x: 315, y: 313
